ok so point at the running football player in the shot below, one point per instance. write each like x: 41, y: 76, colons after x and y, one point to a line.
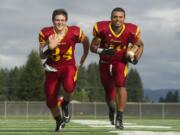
x: 111, y: 40
x: 57, y: 45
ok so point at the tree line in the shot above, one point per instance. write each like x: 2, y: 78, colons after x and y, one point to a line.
x: 25, y: 83
x: 170, y: 97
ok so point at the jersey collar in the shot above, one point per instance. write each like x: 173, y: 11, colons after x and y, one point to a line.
x: 64, y: 33
x: 116, y: 35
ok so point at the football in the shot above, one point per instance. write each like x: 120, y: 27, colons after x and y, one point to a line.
x: 131, y: 51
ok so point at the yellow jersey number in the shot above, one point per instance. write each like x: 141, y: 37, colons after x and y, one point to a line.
x: 117, y: 48
x: 56, y: 55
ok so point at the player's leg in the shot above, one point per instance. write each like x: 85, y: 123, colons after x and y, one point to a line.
x: 65, y: 106
x: 69, y: 83
x: 108, y: 84
x: 121, y: 102
x: 119, y: 74
x: 59, y: 103
x: 111, y: 108
x: 51, y: 86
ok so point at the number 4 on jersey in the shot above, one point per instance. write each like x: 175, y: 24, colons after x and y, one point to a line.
x: 68, y: 54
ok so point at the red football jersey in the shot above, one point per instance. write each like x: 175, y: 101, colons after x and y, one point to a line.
x: 63, y: 54
x: 130, y: 33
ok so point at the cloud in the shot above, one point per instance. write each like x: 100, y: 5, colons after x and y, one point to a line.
x: 10, y: 60
x: 158, y: 19
x: 177, y: 35
x: 169, y: 16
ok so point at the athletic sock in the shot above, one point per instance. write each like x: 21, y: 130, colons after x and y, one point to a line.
x: 65, y: 107
x: 57, y: 118
x: 119, y: 115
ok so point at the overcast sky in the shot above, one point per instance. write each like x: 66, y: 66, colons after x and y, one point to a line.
x: 159, y: 21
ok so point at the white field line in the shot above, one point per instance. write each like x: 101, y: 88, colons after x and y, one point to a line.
x: 103, y: 123
x: 22, y: 122
x: 38, y: 128
x: 145, y: 133
x: 71, y: 132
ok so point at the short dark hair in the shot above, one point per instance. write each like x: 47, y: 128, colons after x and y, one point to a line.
x: 59, y: 12
x: 118, y: 9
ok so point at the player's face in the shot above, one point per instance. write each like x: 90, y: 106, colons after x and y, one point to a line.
x: 59, y: 22
x: 117, y: 18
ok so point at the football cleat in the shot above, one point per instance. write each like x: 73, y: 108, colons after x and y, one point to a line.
x: 111, y: 117
x: 66, y: 117
x: 59, y: 125
x: 119, y: 123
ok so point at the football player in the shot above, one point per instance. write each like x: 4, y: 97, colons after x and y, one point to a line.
x: 111, y: 40
x: 56, y: 45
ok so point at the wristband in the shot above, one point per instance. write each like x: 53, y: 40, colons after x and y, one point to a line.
x: 44, y: 49
x: 99, y: 50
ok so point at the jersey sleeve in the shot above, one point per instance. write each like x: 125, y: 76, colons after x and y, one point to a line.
x: 78, y: 34
x: 42, y: 40
x: 135, y: 34
x: 81, y: 36
x: 100, y: 28
x: 96, y: 31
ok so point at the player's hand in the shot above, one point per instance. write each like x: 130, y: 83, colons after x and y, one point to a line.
x: 133, y: 60
x: 53, y: 41
x: 108, y: 51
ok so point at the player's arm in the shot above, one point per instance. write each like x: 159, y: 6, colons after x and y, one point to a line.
x: 96, y: 49
x: 43, y: 47
x: 95, y: 45
x: 135, y: 51
x: 140, y: 50
x: 85, y: 43
x: 43, y: 51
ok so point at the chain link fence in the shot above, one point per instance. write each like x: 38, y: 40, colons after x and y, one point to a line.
x: 95, y: 110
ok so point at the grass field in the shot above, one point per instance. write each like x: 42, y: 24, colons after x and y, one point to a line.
x: 90, y: 127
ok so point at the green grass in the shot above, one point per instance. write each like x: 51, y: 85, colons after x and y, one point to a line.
x: 85, y: 127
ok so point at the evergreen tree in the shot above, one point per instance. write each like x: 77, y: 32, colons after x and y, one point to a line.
x: 12, y: 82
x: 26, y: 83
x: 134, y: 86
x: 81, y: 94
x: 170, y: 97
x: 31, y: 79
x: 161, y: 99
x: 96, y: 91
x: 3, y: 84
x: 176, y: 96
x: 82, y: 78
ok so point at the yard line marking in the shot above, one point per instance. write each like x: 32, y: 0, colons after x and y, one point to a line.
x: 72, y: 132
x: 144, y: 133
x: 95, y: 122
x: 103, y: 123
x: 135, y: 126
x: 37, y: 129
